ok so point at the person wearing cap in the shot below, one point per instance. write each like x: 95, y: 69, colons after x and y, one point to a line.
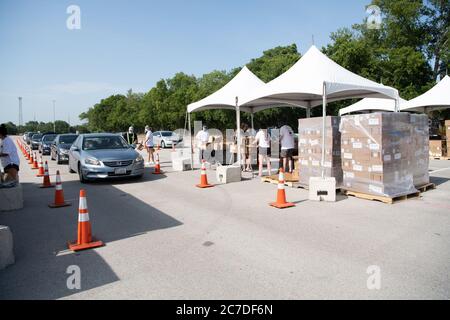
x: 202, y: 138
x: 130, y: 136
x: 9, y: 158
x: 149, y: 144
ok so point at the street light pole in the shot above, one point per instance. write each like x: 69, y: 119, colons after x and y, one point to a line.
x: 54, y: 117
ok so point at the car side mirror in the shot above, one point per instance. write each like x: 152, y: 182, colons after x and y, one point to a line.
x: 73, y: 148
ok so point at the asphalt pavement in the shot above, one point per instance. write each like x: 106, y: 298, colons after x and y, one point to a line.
x: 166, y: 239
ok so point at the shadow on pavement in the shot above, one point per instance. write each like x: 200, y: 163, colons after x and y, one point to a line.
x: 41, y: 235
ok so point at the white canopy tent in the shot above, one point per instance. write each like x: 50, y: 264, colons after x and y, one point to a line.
x: 372, y: 104
x: 435, y: 98
x: 314, y: 80
x: 229, y: 96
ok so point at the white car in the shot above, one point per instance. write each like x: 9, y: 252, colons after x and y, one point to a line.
x: 165, y: 138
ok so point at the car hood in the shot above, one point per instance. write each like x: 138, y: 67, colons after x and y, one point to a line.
x: 64, y: 146
x: 108, y: 155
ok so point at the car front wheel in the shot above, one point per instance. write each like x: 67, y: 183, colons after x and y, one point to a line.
x: 163, y: 144
x: 80, y: 174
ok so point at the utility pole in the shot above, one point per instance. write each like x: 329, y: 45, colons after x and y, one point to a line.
x: 20, y: 112
x: 54, y: 117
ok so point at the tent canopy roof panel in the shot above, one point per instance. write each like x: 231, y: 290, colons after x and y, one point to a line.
x: 436, y: 97
x: 369, y: 104
x: 302, y: 85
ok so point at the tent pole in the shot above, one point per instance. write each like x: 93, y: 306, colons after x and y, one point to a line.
x: 308, y: 112
x: 324, y: 114
x: 251, y: 119
x: 238, y: 128
x: 190, y: 142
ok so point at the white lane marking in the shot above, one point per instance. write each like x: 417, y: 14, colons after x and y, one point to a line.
x: 439, y: 170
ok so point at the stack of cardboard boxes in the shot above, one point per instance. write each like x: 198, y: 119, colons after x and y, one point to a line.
x: 439, y: 148
x: 310, y: 149
x: 377, y: 153
x: 420, y: 148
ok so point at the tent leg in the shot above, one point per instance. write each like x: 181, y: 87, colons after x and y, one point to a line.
x: 190, y: 142
x: 308, y: 112
x: 324, y: 114
x: 238, y: 128
x: 251, y: 120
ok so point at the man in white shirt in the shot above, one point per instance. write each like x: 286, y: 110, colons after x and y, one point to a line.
x: 202, y: 138
x: 287, y: 147
x: 262, y: 139
x: 8, y: 156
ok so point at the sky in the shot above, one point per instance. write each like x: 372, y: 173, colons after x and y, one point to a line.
x: 132, y: 44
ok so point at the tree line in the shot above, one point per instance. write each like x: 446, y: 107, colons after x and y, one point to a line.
x: 36, y: 126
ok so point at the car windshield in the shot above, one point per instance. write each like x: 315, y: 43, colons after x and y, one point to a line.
x: 166, y: 134
x: 37, y: 137
x: 49, y: 137
x: 67, y: 139
x: 104, y: 142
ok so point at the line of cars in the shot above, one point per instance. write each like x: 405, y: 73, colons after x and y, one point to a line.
x: 95, y: 155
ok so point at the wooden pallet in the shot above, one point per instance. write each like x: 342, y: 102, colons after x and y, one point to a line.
x: 383, y: 199
x: 288, y: 180
x: 440, y: 158
x: 426, y: 187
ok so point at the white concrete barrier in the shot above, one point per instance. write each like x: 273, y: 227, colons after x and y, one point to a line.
x: 11, y: 198
x: 6, y: 247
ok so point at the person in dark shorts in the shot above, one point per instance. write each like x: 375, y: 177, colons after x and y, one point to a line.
x: 8, y: 157
x: 287, y: 147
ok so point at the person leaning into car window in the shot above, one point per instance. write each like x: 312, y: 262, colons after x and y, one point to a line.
x: 130, y: 136
x: 8, y: 157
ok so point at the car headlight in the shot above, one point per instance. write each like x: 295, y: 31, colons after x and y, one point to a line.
x: 92, y: 161
x: 139, y: 159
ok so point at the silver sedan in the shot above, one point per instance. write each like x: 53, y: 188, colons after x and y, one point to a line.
x: 104, y: 156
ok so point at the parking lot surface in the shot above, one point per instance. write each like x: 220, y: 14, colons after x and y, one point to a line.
x: 166, y: 239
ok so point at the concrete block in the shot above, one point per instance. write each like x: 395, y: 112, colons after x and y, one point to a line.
x: 6, y: 247
x: 11, y: 198
x: 322, y: 189
x: 181, y: 164
x: 228, y: 174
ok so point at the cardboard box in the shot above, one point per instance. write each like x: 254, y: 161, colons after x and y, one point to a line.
x: 377, y: 151
x: 447, y: 129
x: 438, y: 148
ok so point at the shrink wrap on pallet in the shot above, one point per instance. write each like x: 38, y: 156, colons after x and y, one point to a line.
x: 310, y: 149
x: 377, y: 151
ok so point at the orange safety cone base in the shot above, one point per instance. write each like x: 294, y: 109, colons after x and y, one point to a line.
x: 74, y: 246
x: 157, y: 172
x: 54, y: 205
x: 282, y: 205
x: 49, y: 186
x: 39, y: 175
x: 203, y: 186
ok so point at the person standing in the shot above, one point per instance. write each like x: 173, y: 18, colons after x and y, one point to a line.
x: 287, y: 147
x: 9, y: 158
x: 262, y: 140
x: 202, y: 138
x: 149, y: 144
x: 130, y: 136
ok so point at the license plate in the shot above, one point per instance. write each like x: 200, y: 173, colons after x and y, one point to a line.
x: 121, y: 171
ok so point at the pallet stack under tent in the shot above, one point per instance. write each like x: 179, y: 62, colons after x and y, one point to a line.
x: 380, y: 156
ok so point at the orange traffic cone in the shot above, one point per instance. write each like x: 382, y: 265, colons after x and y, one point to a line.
x: 204, y: 178
x: 281, y: 194
x: 59, y: 194
x: 157, y: 169
x: 41, y: 168
x: 30, y: 161
x: 46, y: 181
x: 84, y: 240
x: 35, y: 162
